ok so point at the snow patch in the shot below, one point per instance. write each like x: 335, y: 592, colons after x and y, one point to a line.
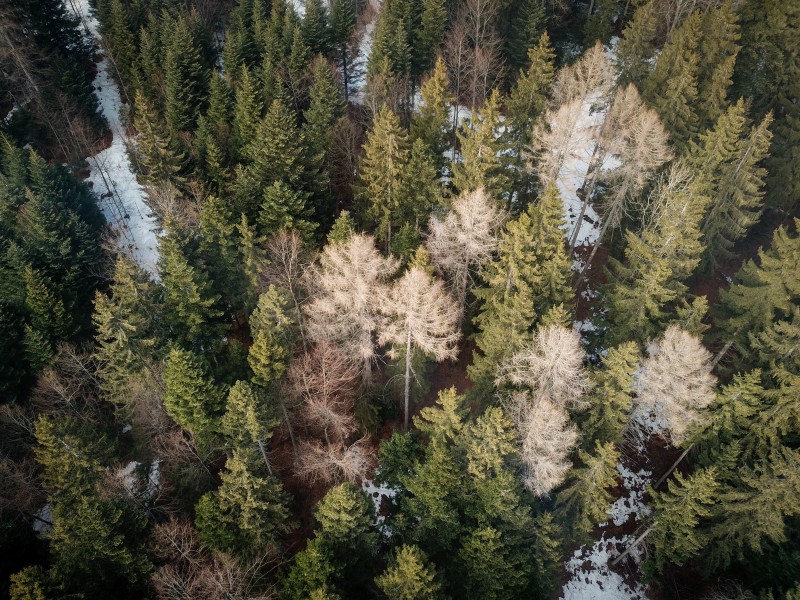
x: 377, y: 493
x: 41, y: 524
x: 364, y: 49
x: 590, y: 575
x: 635, y: 484
x: 122, y: 199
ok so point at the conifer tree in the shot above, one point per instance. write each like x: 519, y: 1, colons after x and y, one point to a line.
x: 526, y: 22
x: 190, y: 396
x: 430, y: 36
x: 124, y: 327
x: 763, y: 291
x: 487, y: 565
x: 585, y: 500
x: 246, y: 514
x: 249, y: 419
x: 637, y: 46
x: 432, y: 123
x: 343, y: 20
x: 420, y: 187
x: 672, y: 87
x: 161, y: 162
x: 284, y: 208
x: 189, y: 307
x: 253, y: 260
x: 324, y: 109
x: 678, y: 511
x: 611, y: 399
x: 386, y: 154
x: 219, y: 249
x: 316, y: 33
x: 186, y: 78
x: 410, y: 576
x: 600, y: 24
x: 247, y: 111
x: 480, y: 165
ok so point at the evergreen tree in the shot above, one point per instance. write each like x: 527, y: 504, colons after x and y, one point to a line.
x: 585, y: 500
x: 480, y: 165
x: 246, y: 514
x: 124, y: 323
x: 311, y: 574
x: 720, y: 36
x: 525, y: 23
x: 386, y: 154
x: 420, y: 187
x: 186, y: 78
x: 611, y: 403
x: 343, y: 20
x: 283, y: 209
x: 430, y: 35
x: 253, y: 260
x: 600, y: 24
x: 324, y: 109
x: 219, y: 249
x: 432, y: 123
x: 316, y: 33
x: 189, y: 308
x: 487, y: 566
x: 672, y: 87
x: 162, y: 163
x: 678, y: 511
x: 728, y: 160
x: 249, y: 419
x: 410, y: 576
x: 247, y: 111
x: 190, y: 396
x: 637, y: 46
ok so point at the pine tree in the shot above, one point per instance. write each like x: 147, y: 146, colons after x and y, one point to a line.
x: 190, y: 396
x: 720, y: 36
x: 410, y: 576
x: 219, y: 249
x: 480, y: 165
x: 526, y: 22
x: 246, y: 514
x: 637, y: 46
x: 432, y: 123
x: 585, y: 500
x: 672, y: 88
x: 386, y: 154
x: 190, y: 309
x: 124, y: 323
x: 186, y: 78
x: 283, y: 209
x: 674, y: 534
x: 487, y: 566
x: 249, y: 419
x: 156, y: 154
x: 324, y: 109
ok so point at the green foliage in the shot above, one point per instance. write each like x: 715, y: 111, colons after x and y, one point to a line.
x: 249, y: 419
x: 160, y: 161
x: 637, y: 46
x: 432, y: 123
x: 395, y: 457
x: 246, y: 514
x: 185, y: 76
x: 585, y: 500
x: 190, y: 396
x: 316, y: 33
x: 600, y: 24
x: 410, y: 576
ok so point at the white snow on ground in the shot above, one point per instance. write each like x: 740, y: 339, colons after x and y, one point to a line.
x: 377, y: 492
x: 632, y: 503
x: 364, y: 49
x: 46, y: 515
x: 592, y: 579
x: 135, y: 484
x: 299, y: 7
x: 122, y: 199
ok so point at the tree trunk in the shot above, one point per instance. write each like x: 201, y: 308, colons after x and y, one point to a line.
x: 723, y: 351
x: 600, y: 237
x: 633, y: 545
x: 408, y: 378
x: 264, y: 456
x: 288, y: 425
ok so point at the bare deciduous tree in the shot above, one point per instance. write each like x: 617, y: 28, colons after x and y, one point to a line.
x: 324, y: 382
x: 551, y: 366
x: 591, y: 79
x: 465, y: 240
x: 422, y: 316
x: 546, y: 437
x: 288, y: 262
x: 338, y: 462
x: 349, y: 286
x: 674, y: 387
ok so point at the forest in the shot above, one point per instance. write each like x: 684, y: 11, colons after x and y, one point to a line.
x: 400, y: 299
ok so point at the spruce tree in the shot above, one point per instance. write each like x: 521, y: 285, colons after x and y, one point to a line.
x: 316, y: 32
x: 246, y: 514
x: 324, y: 109
x: 432, y: 123
x: 430, y: 36
x: 410, y: 576
x: 637, y: 46
x: 672, y: 87
x: 343, y: 20
x: 162, y: 163
x: 386, y: 154
x: 600, y: 24
x: 612, y: 396
x: 247, y: 111
x: 585, y: 500
x: 124, y: 323
x: 420, y: 186
x: 283, y: 208
x: 480, y: 165
x: 186, y: 78
x: 219, y: 249
x: 253, y: 260
x: 678, y: 511
x: 525, y: 22
x: 190, y: 396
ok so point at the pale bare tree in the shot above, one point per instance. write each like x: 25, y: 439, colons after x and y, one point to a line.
x: 421, y: 316
x: 349, y: 283
x: 288, y: 261
x: 674, y: 387
x: 458, y: 57
x: 485, y: 72
x: 559, y: 137
x: 546, y: 438
x: 324, y: 382
x: 591, y: 79
x: 551, y: 367
x: 333, y: 464
x: 465, y: 240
